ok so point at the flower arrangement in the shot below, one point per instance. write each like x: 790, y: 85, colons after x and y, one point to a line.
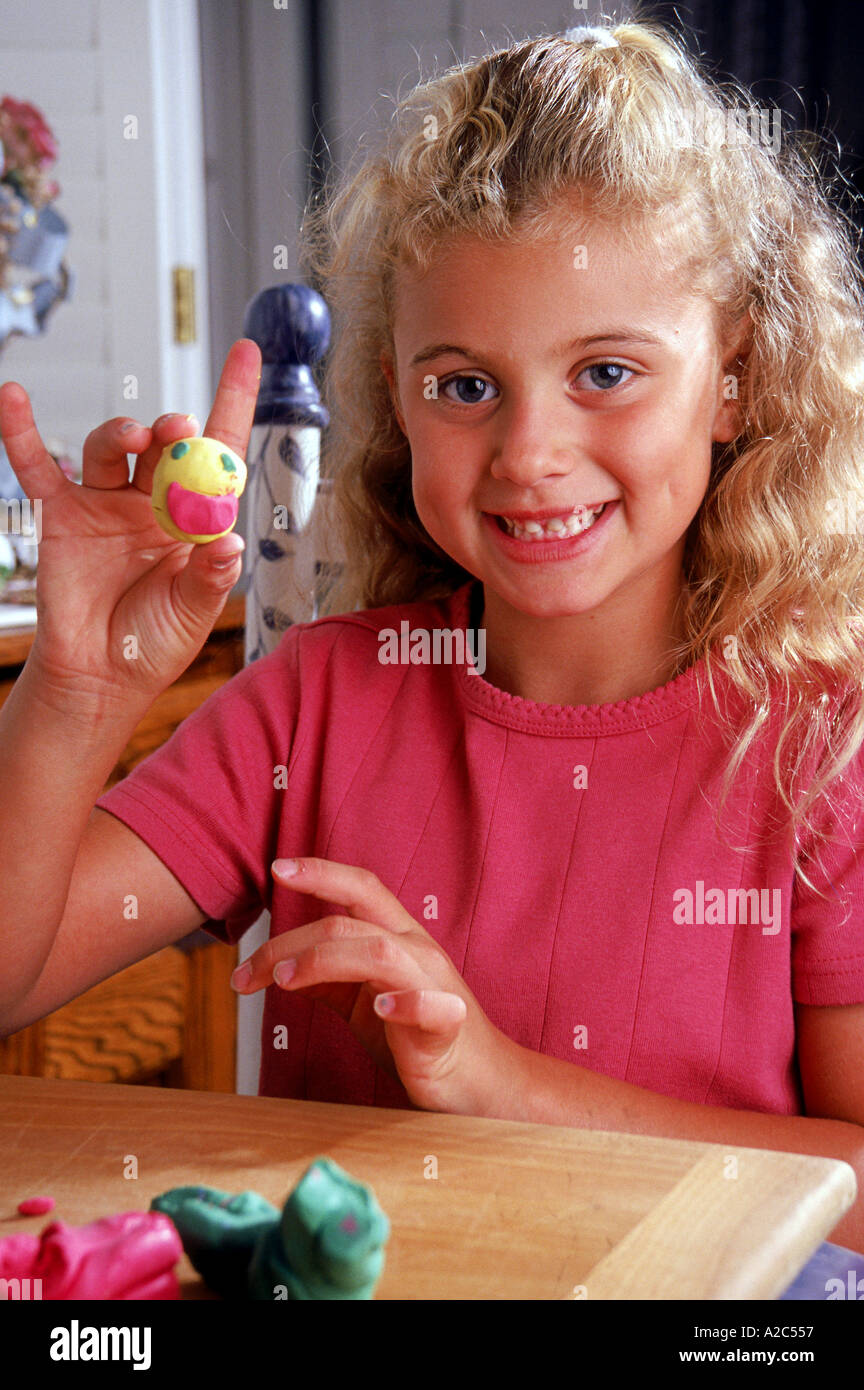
x: 33, y: 236
x: 33, y: 278
x: 29, y: 147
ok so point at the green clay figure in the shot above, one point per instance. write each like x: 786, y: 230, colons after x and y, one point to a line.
x: 328, y: 1241
x: 218, y: 1232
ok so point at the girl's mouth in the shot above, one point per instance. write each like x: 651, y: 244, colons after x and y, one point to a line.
x: 556, y: 528
x: 560, y: 538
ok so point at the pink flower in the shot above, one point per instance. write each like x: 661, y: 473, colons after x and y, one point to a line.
x: 26, y: 135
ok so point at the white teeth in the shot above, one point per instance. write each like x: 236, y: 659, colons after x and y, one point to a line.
x: 561, y: 526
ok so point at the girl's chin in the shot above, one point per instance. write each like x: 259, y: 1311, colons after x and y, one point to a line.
x: 520, y: 601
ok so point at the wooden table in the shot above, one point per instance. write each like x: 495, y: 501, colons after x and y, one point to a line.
x: 516, y: 1211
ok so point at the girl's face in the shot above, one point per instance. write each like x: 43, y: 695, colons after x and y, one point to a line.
x: 534, y: 379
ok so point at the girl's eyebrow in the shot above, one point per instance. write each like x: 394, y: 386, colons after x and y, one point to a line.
x: 616, y: 335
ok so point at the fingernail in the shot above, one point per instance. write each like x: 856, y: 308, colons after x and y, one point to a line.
x: 130, y: 425
x: 285, y: 867
x: 193, y: 420
x: 242, y: 975
x: 221, y: 562
x: 383, y: 1004
x: 285, y: 972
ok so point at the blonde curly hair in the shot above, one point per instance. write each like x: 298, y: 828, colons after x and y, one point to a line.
x: 624, y: 115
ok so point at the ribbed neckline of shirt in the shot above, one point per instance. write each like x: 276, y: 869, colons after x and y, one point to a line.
x: 530, y: 716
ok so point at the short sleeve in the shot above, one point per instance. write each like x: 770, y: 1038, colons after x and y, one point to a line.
x: 206, y: 801
x: 828, y: 931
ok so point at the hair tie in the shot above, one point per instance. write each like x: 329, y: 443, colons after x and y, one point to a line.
x: 584, y: 33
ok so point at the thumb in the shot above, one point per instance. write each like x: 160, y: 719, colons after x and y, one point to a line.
x: 434, y: 1015
x: 209, y: 574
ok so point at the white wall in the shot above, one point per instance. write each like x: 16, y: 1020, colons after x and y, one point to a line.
x: 49, y: 55
x: 134, y: 206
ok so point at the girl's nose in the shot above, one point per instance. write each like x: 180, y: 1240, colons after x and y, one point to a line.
x: 536, y: 443
x: 526, y: 466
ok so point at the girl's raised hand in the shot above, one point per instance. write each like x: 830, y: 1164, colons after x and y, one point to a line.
x: 107, y: 572
x: 398, y: 990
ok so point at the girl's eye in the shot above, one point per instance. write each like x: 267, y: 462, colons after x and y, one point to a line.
x: 470, y: 387
x: 605, y: 367
x: 474, y: 382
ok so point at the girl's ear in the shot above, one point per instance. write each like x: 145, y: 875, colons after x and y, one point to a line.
x: 389, y: 372
x: 729, y: 420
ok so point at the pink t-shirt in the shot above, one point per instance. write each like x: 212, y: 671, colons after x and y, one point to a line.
x: 565, y: 857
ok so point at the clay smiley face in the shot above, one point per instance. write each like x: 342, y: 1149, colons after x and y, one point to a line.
x: 197, y: 484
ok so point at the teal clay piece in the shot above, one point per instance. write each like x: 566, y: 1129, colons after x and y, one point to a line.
x: 327, y: 1243
x: 218, y: 1231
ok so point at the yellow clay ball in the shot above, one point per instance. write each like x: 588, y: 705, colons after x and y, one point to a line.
x: 196, y: 486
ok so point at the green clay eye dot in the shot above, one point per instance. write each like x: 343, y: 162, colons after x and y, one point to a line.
x: 228, y: 463
x: 180, y: 448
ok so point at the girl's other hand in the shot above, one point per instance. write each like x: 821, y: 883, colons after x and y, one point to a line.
x: 398, y: 990
x: 122, y: 608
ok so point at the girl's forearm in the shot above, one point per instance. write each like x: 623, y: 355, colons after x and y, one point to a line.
x: 546, y: 1090
x: 55, y: 757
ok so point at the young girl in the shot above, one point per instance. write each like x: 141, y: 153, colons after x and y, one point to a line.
x: 596, y: 394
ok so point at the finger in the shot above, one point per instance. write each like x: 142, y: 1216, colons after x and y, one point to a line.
x: 421, y: 1028
x: 104, y: 462
x: 360, y: 892
x: 379, y: 961
x: 166, y: 430
x: 262, y: 962
x: 430, y: 1010
x: 230, y: 420
x: 37, y: 472
x: 202, y: 586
